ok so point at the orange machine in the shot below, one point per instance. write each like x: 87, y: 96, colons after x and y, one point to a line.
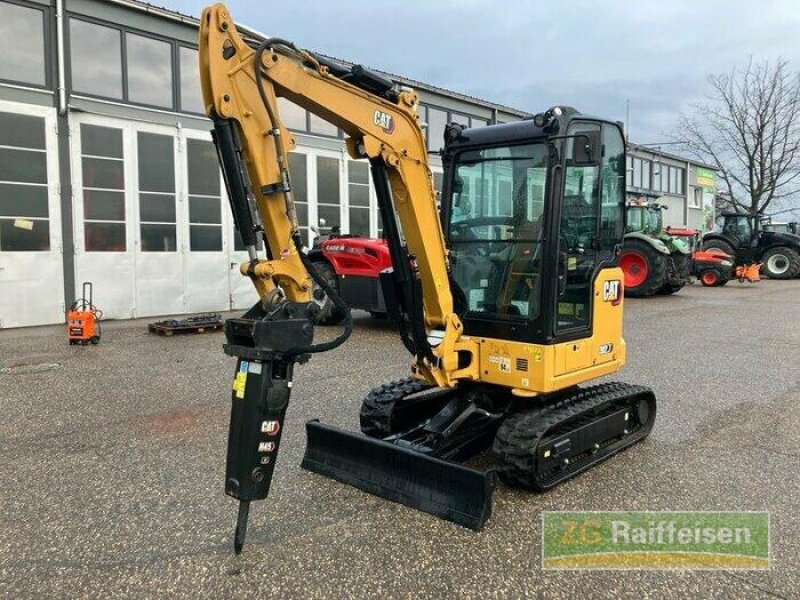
x: 748, y: 272
x: 83, y: 319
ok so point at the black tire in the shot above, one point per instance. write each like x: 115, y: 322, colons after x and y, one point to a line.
x: 328, y: 313
x: 720, y: 245
x: 780, y: 263
x: 656, y: 268
x: 678, y: 275
x: 379, y: 416
x: 95, y: 339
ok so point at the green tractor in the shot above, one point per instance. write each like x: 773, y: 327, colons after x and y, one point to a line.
x: 653, y: 261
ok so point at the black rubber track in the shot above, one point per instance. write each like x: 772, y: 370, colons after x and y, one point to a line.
x: 517, y: 441
x: 378, y: 410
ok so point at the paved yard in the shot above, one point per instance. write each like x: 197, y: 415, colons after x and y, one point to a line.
x: 112, y: 459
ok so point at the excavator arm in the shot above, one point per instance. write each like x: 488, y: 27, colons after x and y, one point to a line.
x: 241, y: 85
x: 241, y: 82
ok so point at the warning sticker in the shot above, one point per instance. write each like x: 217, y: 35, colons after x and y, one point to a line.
x: 503, y: 363
x: 254, y: 368
x: 240, y: 381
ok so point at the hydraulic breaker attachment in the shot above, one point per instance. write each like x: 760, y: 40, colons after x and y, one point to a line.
x: 447, y: 490
x: 259, y: 399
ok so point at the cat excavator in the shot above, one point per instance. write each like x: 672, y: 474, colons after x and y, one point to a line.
x: 507, y: 299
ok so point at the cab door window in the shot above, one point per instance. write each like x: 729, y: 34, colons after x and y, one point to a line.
x: 578, y: 232
x: 739, y: 229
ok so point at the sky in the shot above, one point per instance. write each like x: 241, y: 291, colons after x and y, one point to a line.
x: 531, y: 55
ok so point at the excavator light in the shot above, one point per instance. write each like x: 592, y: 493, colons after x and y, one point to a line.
x: 540, y: 120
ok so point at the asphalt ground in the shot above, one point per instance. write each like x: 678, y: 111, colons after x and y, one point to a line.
x: 112, y: 461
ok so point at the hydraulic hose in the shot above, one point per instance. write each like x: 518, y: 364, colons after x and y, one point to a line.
x: 312, y: 271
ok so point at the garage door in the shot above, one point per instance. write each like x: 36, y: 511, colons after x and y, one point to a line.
x: 31, y: 270
x: 152, y: 227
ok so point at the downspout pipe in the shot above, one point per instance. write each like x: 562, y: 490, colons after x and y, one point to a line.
x: 62, y: 90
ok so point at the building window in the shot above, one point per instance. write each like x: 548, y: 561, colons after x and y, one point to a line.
x: 629, y: 171
x: 673, y: 180
x: 437, y: 119
x: 321, y: 126
x: 637, y: 172
x: 95, y: 59
x: 149, y: 70
x: 696, y: 198
x: 205, y: 200
x: 679, y: 184
x: 22, y: 46
x: 460, y: 119
x: 191, y: 94
x: 646, y: 165
x: 358, y: 197
x: 103, y: 173
x: 328, y: 192
x: 656, y: 183
x: 157, y: 228
x: 292, y: 116
x: 24, y: 215
x: 478, y: 122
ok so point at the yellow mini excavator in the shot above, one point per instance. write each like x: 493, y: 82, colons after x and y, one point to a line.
x: 507, y: 298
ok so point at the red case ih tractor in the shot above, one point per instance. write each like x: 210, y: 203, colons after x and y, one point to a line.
x: 352, y: 266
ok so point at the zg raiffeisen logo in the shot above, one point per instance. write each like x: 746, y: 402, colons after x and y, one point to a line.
x: 655, y: 540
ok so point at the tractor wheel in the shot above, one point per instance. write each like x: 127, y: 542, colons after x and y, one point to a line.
x: 645, y: 269
x: 328, y: 313
x: 781, y: 263
x: 710, y: 278
x: 720, y: 245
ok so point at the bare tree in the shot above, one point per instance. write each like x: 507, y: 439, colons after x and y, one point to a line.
x: 749, y: 128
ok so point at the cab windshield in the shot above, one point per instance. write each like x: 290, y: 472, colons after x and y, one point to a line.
x: 635, y: 221
x: 656, y: 220
x: 495, y: 230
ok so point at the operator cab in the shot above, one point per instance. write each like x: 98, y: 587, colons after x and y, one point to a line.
x: 521, y: 201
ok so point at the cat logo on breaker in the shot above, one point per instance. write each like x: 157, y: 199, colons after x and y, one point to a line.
x: 611, y: 291
x: 384, y: 121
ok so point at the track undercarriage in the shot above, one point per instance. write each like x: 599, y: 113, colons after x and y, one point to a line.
x: 413, y: 432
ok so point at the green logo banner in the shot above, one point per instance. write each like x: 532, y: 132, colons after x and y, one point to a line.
x: 655, y: 540
x: 706, y: 178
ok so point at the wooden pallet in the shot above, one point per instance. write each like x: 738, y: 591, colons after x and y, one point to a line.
x: 173, y: 326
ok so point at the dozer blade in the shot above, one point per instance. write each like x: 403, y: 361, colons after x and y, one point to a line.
x: 444, y: 489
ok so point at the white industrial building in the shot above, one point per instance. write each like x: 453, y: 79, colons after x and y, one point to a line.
x: 109, y: 175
